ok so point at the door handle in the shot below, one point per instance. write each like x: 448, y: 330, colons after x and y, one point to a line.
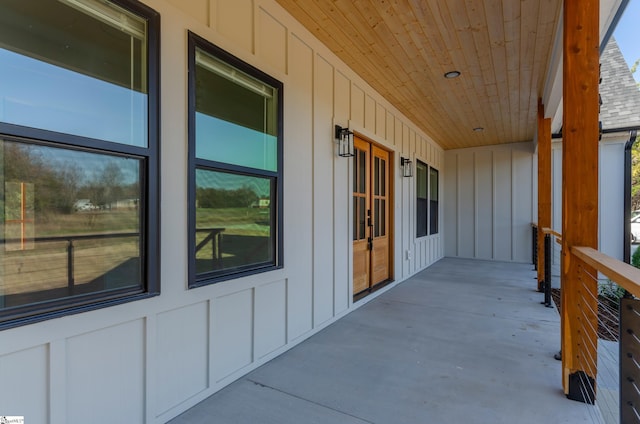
x: 370, y: 243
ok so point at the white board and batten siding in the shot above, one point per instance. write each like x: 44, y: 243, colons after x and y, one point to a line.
x: 489, y: 201
x: 148, y: 361
x: 610, y: 194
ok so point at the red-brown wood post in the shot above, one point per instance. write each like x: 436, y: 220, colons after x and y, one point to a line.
x: 579, y: 192
x: 544, y: 186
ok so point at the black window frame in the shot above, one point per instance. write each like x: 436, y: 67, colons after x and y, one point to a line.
x: 434, y: 213
x: 422, y: 222
x: 194, y: 163
x: 427, y: 215
x: 149, y: 157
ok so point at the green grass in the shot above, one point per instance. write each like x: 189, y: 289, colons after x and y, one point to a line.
x: 42, y: 266
x: 75, y: 224
x: 635, y: 258
x: 90, y: 222
x: 240, y: 221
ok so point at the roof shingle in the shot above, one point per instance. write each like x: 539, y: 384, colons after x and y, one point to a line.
x: 620, y: 94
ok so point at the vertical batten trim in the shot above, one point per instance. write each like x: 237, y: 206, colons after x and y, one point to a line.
x: 494, y: 221
x: 313, y: 187
x: 475, y: 204
x: 150, y: 365
x: 334, y: 193
x: 211, y: 357
x: 513, y: 205
x: 253, y: 326
x: 57, y: 352
x: 213, y: 15
x: 457, y: 208
x: 494, y: 196
x: 254, y: 13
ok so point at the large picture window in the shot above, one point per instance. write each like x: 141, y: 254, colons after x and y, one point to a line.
x: 426, y: 200
x: 235, y: 154
x: 78, y: 156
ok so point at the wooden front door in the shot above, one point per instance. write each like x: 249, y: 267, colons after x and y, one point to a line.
x: 371, y: 235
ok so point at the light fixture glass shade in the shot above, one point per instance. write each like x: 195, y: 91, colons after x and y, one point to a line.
x: 407, y: 168
x: 345, y: 141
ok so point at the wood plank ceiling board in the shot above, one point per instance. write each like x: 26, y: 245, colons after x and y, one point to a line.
x: 401, y: 55
x: 496, y: 91
x: 402, y: 48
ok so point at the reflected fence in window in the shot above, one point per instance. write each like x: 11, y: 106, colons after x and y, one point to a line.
x: 65, y: 266
x: 209, y: 248
x: 219, y: 249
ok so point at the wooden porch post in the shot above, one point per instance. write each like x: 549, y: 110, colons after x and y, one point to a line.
x: 544, y: 186
x: 579, y: 192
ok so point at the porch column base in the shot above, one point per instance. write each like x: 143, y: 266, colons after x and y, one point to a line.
x: 582, y: 388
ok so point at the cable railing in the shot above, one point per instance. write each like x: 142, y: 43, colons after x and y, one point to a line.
x: 606, y: 362
x: 534, y: 245
x: 601, y: 327
x: 556, y: 255
x: 551, y: 264
x: 629, y: 360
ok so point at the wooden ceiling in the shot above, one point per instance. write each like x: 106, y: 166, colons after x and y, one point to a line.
x: 403, y: 48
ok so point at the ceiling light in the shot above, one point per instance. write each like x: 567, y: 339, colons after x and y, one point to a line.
x: 452, y: 74
x: 478, y: 129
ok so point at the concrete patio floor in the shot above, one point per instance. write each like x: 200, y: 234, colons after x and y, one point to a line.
x: 464, y: 341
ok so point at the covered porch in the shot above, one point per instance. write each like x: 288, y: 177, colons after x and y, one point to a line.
x: 462, y: 341
x: 470, y: 93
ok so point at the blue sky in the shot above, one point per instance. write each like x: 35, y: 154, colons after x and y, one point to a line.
x: 38, y: 94
x: 627, y: 34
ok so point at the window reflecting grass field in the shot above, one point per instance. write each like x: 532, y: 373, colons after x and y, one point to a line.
x: 72, y: 254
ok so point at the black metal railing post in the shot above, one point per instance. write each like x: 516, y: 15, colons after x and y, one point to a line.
x: 70, y: 278
x: 547, y: 270
x: 534, y: 246
x: 629, y: 360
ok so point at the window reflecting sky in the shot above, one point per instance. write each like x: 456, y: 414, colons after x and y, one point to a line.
x: 38, y: 94
x: 88, y: 165
x: 223, y: 141
x: 223, y: 180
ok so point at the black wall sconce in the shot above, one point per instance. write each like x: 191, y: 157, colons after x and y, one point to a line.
x: 345, y: 141
x: 407, y: 169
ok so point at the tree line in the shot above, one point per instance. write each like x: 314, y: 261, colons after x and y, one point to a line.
x: 635, y: 160
x: 56, y: 188
x: 214, y: 198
